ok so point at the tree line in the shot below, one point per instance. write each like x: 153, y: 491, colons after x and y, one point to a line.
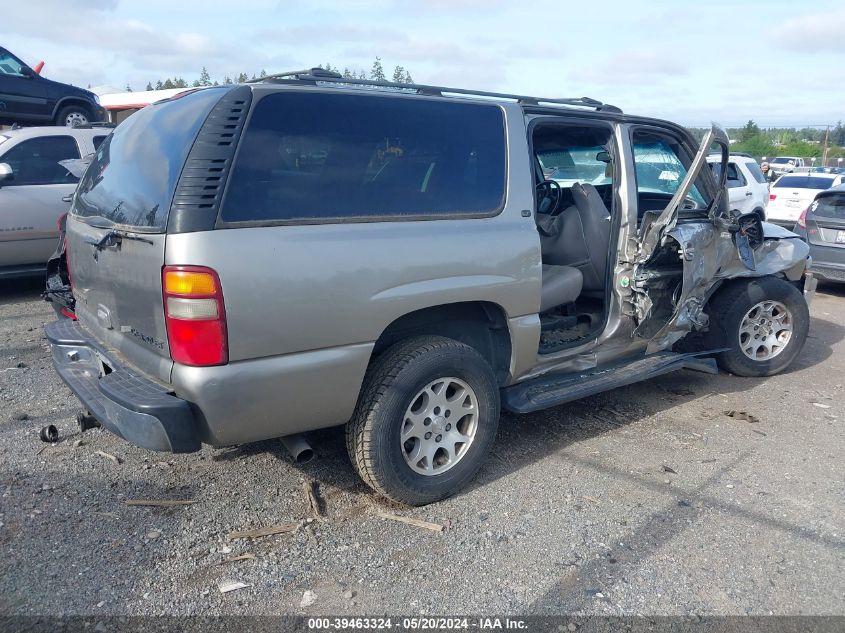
x: 807, y: 142
x: 377, y: 73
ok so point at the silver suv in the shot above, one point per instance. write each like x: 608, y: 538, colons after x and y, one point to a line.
x: 262, y: 260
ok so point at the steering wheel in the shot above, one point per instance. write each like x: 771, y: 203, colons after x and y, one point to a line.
x: 549, y: 195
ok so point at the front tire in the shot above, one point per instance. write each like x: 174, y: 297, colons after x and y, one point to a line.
x: 763, y: 323
x: 73, y: 116
x: 425, y: 420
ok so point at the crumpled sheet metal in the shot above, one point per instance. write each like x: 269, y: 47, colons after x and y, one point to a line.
x: 711, y: 257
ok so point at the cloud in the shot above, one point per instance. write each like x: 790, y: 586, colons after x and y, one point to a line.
x: 821, y: 32
x: 633, y: 67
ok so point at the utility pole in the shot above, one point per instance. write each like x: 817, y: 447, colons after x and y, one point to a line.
x: 824, y: 151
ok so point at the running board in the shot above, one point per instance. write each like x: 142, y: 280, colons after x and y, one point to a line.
x: 551, y: 390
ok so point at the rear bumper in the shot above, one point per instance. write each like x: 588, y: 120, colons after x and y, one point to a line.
x: 129, y: 405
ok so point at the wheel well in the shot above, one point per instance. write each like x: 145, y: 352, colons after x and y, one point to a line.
x: 481, y: 325
x: 72, y: 101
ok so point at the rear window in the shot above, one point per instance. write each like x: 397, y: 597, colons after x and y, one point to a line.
x: 335, y: 157
x: 97, y: 141
x: 132, y: 177
x: 804, y: 182
x: 829, y: 206
x: 784, y: 160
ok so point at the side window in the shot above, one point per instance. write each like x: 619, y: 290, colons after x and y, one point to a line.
x: 9, y: 65
x: 317, y: 156
x: 756, y: 172
x: 660, y: 165
x: 36, y: 161
x: 735, y: 177
x: 97, y: 141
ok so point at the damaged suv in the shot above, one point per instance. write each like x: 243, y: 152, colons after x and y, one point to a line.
x: 263, y: 260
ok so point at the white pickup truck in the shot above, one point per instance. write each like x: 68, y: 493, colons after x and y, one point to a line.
x: 786, y: 164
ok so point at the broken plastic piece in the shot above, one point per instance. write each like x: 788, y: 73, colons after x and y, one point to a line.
x: 49, y: 434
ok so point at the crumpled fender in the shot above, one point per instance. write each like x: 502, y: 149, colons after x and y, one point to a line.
x: 710, y: 257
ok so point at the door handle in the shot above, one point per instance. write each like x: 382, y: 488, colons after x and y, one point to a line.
x: 748, y: 194
x: 67, y: 198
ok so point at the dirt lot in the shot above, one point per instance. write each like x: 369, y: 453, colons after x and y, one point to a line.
x: 646, y: 500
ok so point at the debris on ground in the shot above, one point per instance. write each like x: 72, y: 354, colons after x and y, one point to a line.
x: 820, y: 405
x: 159, y: 503
x: 231, y: 585
x: 741, y: 415
x: 49, y: 434
x: 313, y: 499
x: 668, y: 469
x: 77, y: 443
x: 308, y: 598
x: 266, y: 531
x: 116, y: 460
x: 235, y: 559
x: 428, y: 525
x: 20, y: 416
x: 591, y: 499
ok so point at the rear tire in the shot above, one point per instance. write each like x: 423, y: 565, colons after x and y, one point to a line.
x: 763, y: 323
x: 453, y: 391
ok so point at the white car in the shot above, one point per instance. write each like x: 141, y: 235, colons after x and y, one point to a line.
x: 792, y: 193
x: 748, y: 190
x: 34, y: 187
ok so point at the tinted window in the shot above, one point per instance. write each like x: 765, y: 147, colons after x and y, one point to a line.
x: 97, y: 141
x: 134, y: 172
x: 336, y: 156
x: 829, y: 206
x: 804, y: 182
x: 756, y: 172
x: 36, y: 161
x: 735, y: 177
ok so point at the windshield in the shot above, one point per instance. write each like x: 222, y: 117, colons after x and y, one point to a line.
x: 577, y: 164
x: 134, y: 172
x: 804, y: 182
x: 784, y: 160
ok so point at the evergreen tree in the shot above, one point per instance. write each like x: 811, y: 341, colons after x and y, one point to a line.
x: 227, y: 80
x: 180, y: 83
x: 149, y: 86
x: 408, y: 79
x: 262, y: 74
x: 347, y: 74
x: 242, y: 78
x: 377, y: 72
x: 399, y: 74
x: 205, y: 78
x: 167, y: 85
x: 749, y: 131
x: 128, y: 88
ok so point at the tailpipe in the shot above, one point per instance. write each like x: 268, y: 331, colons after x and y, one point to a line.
x: 298, y: 448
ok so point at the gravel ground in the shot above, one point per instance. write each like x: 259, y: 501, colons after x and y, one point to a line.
x: 645, y: 500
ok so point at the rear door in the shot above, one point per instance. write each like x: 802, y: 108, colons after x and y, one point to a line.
x: 117, y: 230
x: 31, y: 203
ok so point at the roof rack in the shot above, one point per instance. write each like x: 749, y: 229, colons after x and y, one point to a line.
x: 320, y: 75
x: 95, y: 124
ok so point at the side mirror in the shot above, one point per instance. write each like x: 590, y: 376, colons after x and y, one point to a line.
x: 6, y: 174
x: 27, y: 72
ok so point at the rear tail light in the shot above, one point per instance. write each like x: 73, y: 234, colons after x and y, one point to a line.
x: 195, y: 315
x: 802, y: 219
x: 772, y: 196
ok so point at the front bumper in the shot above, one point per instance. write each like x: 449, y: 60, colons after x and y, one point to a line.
x: 126, y: 403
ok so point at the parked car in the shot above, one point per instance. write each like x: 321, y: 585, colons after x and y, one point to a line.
x: 35, y: 189
x: 258, y: 261
x: 28, y: 98
x: 786, y: 164
x: 822, y: 225
x: 748, y: 190
x: 792, y: 193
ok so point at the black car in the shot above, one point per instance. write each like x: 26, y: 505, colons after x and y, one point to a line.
x: 822, y: 225
x: 28, y: 98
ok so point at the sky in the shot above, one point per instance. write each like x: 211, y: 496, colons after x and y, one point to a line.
x: 778, y: 62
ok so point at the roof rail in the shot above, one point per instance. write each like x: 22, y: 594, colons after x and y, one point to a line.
x: 320, y: 75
